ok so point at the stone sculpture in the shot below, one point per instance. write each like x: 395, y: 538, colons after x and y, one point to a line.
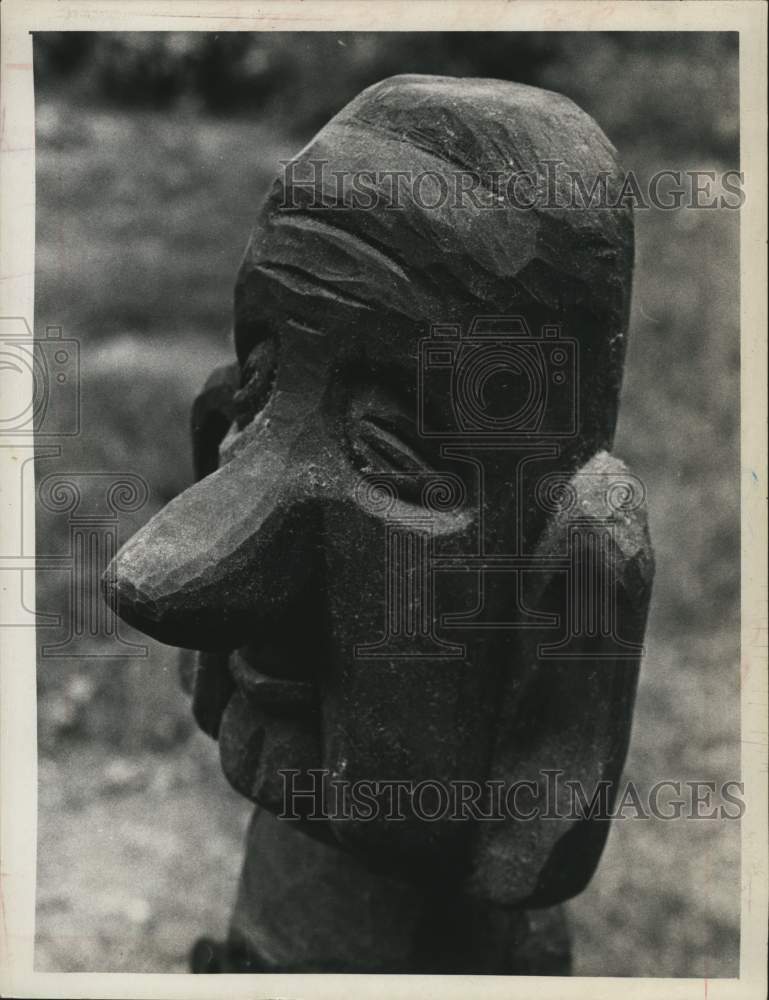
x: 410, y: 555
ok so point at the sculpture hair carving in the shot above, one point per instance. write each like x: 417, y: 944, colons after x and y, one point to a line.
x: 323, y: 264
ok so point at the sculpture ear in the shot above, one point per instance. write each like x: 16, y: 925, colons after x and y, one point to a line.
x: 573, y: 722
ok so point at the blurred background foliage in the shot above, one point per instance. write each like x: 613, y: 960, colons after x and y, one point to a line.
x: 153, y: 152
x: 302, y: 78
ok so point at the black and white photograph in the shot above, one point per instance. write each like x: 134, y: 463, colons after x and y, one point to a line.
x: 383, y: 439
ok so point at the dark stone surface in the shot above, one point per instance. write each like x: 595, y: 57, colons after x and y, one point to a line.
x: 278, y: 551
x: 368, y: 923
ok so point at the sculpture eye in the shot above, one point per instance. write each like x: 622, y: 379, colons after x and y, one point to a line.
x: 382, y: 434
x: 382, y: 443
x: 259, y: 373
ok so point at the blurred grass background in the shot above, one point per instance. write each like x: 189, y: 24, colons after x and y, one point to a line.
x: 153, y: 151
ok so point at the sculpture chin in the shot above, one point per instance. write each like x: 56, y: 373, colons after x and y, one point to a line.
x: 257, y: 743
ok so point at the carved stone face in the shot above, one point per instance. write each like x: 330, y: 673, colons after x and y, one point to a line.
x: 306, y: 563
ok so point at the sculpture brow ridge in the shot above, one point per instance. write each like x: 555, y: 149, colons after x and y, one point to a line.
x: 350, y: 240
x: 298, y: 279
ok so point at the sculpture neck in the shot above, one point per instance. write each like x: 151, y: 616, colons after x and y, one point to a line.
x: 306, y: 906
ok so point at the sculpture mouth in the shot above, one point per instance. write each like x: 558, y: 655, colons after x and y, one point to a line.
x: 285, y: 695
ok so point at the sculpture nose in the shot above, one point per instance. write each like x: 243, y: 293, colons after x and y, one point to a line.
x: 218, y: 560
